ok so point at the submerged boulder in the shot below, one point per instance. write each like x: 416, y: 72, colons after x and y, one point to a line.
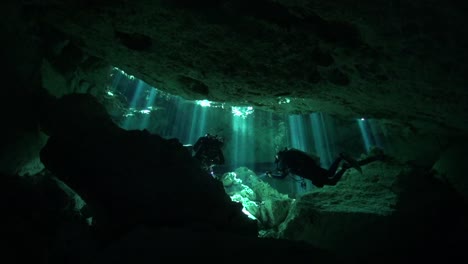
x: 332, y: 216
x: 392, y: 211
x: 260, y: 200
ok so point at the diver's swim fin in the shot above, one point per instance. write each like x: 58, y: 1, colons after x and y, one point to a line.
x: 352, y: 162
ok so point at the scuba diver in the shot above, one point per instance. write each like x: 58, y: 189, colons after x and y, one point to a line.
x: 297, y: 162
x: 208, y: 150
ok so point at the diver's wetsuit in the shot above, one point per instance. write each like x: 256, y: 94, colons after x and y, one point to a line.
x: 208, y: 150
x: 301, y: 164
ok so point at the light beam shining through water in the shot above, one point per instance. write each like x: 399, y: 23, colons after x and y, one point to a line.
x: 148, y: 107
x: 370, y: 134
x: 297, y: 132
x: 198, y: 123
x: 322, y: 138
x: 243, y: 138
x: 187, y: 120
x: 301, y: 138
x: 137, y: 95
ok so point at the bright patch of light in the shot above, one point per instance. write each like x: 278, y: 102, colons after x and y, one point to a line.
x: 284, y: 100
x: 362, y: 119
x: 246, y: 205
x: 132, y: 111
x: 206, y: 103
x: 110, y: 93
x: 248, y: 214
x: 242, y: 111
x: 131, y: 77
x: 203, y: 103
x: 231, y: 178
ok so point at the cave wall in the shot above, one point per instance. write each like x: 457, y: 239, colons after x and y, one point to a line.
x: 399, y: 61
x: 402, y: 67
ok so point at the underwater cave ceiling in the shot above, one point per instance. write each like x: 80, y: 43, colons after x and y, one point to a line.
x: 400, y: 60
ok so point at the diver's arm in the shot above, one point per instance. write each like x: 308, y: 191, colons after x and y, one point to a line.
x: 277, y: 174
